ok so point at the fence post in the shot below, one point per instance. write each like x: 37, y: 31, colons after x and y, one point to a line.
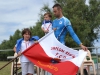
x: 97, y: 60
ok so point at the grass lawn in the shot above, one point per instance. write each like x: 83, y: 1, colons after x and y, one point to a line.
x: 6, y: 70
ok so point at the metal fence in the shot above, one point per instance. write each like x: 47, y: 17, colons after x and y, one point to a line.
x: 95, y: 51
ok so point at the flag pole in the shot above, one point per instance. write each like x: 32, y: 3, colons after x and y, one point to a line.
x: 45, y: 36
x: 8, y: 62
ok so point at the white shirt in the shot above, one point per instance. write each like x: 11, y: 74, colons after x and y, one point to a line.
x: 47, y: 26
x: 24, y: 46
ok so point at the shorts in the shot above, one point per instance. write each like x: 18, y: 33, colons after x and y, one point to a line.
x: 27, y: 67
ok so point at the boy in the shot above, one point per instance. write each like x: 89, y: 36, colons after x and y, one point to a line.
x: 22, y: 45
x: 47, y: 23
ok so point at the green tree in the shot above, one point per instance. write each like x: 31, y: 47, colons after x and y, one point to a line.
x: 9, y: 44
x: 83, y: 18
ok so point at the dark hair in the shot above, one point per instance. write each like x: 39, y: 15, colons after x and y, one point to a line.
x: 26, y: 30
x: 48, y: 14
x: 58, y: 6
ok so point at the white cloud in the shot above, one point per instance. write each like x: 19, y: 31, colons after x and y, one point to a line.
x: 4, y: 33
x: 31, y: 22
x: 19, y: 14
x: 20, y: 10
x: 87, y: 2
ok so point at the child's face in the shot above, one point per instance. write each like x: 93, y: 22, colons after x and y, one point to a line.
x: 26, y: 36
x: 46, y: 17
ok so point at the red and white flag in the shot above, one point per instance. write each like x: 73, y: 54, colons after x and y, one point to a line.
x: 53, y: 56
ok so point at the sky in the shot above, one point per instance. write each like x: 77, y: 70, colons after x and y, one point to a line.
x: 19, y: 14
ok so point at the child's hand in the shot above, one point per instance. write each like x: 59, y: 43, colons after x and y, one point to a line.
x: 19, y: 53
x: 35, y: 41
x: 46, y: 31
x: 54, y: 29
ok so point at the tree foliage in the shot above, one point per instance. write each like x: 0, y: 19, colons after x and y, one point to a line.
x: 85, y: 20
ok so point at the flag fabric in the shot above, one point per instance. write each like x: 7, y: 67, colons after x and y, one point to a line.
x: 54, y: 57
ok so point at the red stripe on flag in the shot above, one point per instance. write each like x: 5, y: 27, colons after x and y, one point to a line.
x: 37, y: 55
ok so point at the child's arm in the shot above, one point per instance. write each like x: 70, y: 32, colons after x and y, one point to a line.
x: 14, y: 48
x: 19, y: 53
x: 35, y: 41
x: 45, y: 31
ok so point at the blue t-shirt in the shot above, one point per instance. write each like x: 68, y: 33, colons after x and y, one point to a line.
x: 63, y: 26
